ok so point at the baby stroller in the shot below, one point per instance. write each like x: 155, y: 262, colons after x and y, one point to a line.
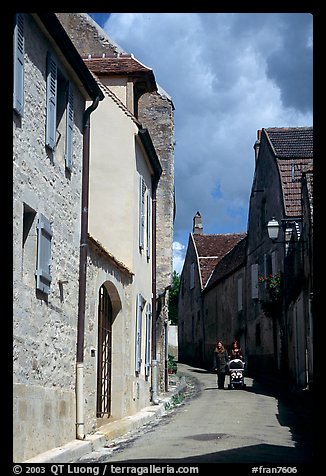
x: 236, y: 373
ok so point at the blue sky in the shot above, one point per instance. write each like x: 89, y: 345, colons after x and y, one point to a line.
x: 228, y: 75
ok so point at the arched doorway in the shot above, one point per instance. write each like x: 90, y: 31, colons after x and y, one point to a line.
x: 104, y: 359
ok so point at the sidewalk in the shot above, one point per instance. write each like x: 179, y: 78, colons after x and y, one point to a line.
x: 78, y: 448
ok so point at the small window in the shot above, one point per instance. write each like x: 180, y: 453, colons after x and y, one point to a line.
x: 257, y: 335
x: 29, y: 246
x: 60, y: 113
x: 254, y: 281
x: 43, y: 268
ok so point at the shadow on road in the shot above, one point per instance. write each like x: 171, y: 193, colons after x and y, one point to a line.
x: 255, y: 454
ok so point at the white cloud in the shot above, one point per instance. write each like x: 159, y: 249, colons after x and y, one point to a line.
x: 178, y: 256
x: 226, y: 75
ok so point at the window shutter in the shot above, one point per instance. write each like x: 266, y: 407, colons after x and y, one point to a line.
x: 148, y: 243
x: 192, y: 275
x: 138, y: 333
x: 44, y: 237
x: 240, y: 304
x: 19, y: 49
x: 51, y: 102
x: 142, y: 189
x: 69, y: 126
x: 273, y: 259
x: 254, y: 281
x: 148, y: 339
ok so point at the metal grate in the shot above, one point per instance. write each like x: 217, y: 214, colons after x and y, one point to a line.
x: 103, y: 405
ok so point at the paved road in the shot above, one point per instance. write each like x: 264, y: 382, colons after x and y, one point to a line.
x: 248, y: 425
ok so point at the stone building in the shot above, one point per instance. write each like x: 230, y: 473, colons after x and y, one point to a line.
x: 138, y: 120
x: 279, y: 281
x: 261, y: 291
x: 224, y: 302
x: 51, y: 87
x: 200, y: 325
x: 124, y: 174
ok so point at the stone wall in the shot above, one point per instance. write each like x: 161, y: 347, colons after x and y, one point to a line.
x: 44, y: 327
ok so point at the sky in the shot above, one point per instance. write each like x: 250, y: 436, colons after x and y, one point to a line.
x: 228, y: 75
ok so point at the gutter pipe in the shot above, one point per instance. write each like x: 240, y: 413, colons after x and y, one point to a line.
x: 80, y: 432
x: 155, y: 399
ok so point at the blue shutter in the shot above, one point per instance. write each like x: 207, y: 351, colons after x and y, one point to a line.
x: 69, y: 126
x: 138, y: 333
x: 148, y: 238
x: 51, y: 102
x: 19, y: 47
x: 148, y: 339
x: 142, y: 189
x: 43, y: 271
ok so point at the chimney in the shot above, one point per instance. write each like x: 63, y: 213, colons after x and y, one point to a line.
x: 257, y: 144
x: 198, y: 226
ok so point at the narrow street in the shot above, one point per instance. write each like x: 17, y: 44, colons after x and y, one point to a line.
x: 250, y: 425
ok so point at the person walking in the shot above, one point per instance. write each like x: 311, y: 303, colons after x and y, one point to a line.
x: 236, y: 351
x: 221, y: 360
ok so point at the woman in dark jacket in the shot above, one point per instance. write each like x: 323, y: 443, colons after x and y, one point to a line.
x: 221, y: 360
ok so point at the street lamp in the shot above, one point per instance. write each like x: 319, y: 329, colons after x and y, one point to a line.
x: 273, y: 228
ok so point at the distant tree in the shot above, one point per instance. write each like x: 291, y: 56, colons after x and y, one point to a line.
x: 173, y: 298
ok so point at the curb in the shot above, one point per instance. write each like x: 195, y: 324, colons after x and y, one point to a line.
x: 75, y: 449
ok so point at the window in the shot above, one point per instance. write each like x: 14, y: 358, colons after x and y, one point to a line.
x: 142, y: 191
x: 148, y: 229
x: 267, y: 265
x: 29, y: 246
x: 240, y: 287
x: 148, y: 339
x: 139, y: 310
x: 254, y: 281
x: 59, y: 112
x: 18, y: 50
x: 192, y: 275
x: 43, y: 267
x: 257, y: 335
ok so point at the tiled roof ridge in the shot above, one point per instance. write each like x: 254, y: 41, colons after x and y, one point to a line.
x: 288, y: 128
x: 113, y: 56
x: 108, y: 55
x: 220, y: 234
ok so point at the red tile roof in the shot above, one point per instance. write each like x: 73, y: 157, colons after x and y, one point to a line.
x: 293, y: 149
x: 211, y: 249
x: 230, y: 262
x: 122, y: 64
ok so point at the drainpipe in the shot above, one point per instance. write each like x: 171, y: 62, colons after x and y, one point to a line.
x: 155, y: 369
x: 80, y: 434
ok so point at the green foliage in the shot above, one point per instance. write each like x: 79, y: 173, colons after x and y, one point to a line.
x: 172, y: 364
x: 173, y: 298
x: 175, y: 401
